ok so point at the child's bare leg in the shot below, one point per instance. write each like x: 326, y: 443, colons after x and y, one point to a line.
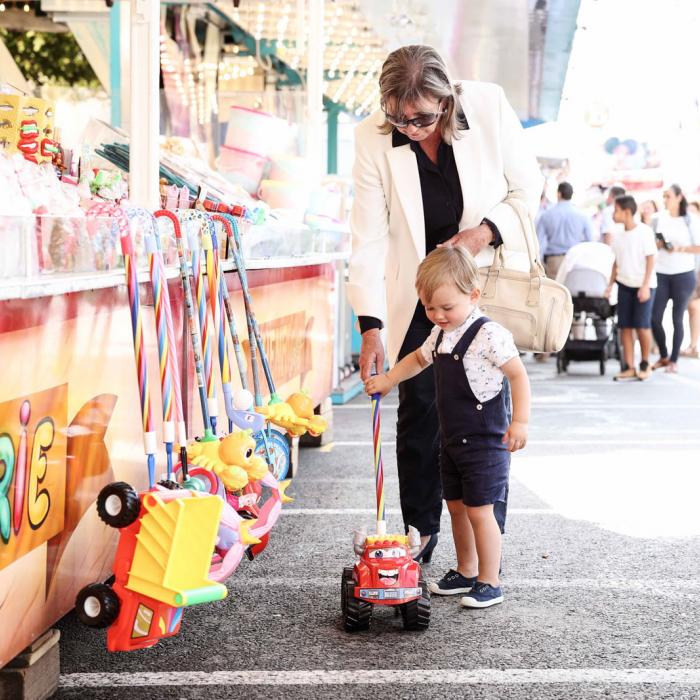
x: 487, y: 537
x: 628, y: 346
x: 463, y: 536
x: 644, y: 342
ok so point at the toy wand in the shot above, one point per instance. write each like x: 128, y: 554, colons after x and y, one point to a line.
x: 132, y: 284
x: 191, y: 319
x: 378, y: 464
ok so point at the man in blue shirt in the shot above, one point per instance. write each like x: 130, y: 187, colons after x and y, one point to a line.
x: 561, y: 227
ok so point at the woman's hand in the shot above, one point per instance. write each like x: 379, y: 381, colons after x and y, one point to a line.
x: 371, y: 353
x: 516, y: 436
x: 378, y: 384
x: 644, y: 294
x: 473, y: 239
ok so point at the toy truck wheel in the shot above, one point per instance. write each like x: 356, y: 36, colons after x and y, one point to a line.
x: 416, y: 613
x: 358, y: 613
x: 347, y: 579
x: 118, y: 504
x: 97, y: 605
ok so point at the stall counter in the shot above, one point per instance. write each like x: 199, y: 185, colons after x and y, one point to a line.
x: 69, y: 413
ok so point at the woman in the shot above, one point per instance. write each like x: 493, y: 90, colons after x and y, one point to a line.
x: 675, y: 271
x: 647, y: 211
x: 436, y: 165
x: 693, y: 349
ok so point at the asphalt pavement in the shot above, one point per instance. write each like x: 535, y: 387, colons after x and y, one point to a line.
x: 601, y: 560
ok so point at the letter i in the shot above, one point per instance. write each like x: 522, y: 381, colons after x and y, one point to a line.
x: 25, y: 412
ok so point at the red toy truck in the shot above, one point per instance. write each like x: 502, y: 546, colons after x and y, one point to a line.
x: 385, y: 574
x: 161, y: 564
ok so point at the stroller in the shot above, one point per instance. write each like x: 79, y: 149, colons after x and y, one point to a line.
x: 585, y: 271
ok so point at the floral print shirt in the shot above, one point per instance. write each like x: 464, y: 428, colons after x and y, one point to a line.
x: 491, y: 348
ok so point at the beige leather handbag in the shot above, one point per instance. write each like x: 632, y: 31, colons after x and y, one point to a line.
x: 537, y: 310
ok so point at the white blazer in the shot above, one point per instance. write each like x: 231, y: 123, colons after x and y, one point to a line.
x: 387, y: 223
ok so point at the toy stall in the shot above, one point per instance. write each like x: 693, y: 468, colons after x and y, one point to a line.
x: 172, y: 319
x: 126, y: 332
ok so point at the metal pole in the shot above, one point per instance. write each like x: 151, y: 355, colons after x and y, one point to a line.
x: 314, y: 87
x: 115, y: 68
x: 144, y: 108
x: 333, y: 113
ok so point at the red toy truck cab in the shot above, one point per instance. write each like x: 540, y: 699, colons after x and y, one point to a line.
x: 385, y: 574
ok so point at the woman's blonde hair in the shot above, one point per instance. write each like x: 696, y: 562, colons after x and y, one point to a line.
x: 447, y: 266
x: 413, y: 73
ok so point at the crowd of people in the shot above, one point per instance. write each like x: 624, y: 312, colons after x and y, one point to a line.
x: 655, y: 253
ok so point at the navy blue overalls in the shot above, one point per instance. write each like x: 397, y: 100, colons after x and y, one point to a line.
x: 474, y: 463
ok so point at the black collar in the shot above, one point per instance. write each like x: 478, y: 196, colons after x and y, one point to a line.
x: 399, y: 139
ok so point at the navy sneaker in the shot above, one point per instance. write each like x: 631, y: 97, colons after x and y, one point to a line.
x: 483, y: 595
x: 452, y: 583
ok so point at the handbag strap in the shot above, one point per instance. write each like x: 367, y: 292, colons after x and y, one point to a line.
x: 531, y: 243
x: 690, y: 226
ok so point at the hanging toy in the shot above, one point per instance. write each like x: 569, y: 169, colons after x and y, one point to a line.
x: 166, y: 536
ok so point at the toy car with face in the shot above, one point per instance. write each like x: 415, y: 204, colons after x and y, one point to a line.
x: 385, y: 574
x: 165, y: 546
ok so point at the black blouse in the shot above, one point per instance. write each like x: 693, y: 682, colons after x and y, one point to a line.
x: 443, y: 204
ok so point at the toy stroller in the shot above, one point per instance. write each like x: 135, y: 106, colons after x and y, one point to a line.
x: 385, y: 573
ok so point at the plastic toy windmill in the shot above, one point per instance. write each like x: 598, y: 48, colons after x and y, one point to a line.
x: 184, y: 216
x: 192, y: 320
x: 385, y: 572
x: 121, y: 221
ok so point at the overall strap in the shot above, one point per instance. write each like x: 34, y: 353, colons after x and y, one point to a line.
x: 438, y: 340
x: 466, y: 340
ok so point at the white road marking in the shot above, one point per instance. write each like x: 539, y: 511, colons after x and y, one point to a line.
x: 395, y: 511
x: 387, y: 677
x: 582, y: 441
x: 549, y: 402
x: 363, y: 406
x: 358, y: 443
x: 676, y: 587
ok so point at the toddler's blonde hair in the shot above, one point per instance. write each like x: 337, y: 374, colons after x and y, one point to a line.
x: 447, y: 266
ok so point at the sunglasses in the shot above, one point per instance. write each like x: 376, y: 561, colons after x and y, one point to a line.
x: 420, y: 122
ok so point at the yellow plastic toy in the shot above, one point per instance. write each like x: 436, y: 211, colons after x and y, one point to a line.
x: 295, y: 415
x: 173, y: 550
x: 303, y: 406
x: 205, y: 454
x: 239, y: 448
x: 232, y: 459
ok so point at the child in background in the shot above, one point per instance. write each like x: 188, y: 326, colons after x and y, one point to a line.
x: 472, y: 357
x: 633, y: 270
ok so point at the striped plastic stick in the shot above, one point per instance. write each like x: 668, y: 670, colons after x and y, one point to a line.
x: 132, y: 283
x: 378, y: 464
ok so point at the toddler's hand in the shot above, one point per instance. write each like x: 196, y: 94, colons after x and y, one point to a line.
x: 378, y: 384
x: 516, y: 436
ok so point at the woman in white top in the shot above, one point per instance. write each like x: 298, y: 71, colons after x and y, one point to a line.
x: 675, y: 269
